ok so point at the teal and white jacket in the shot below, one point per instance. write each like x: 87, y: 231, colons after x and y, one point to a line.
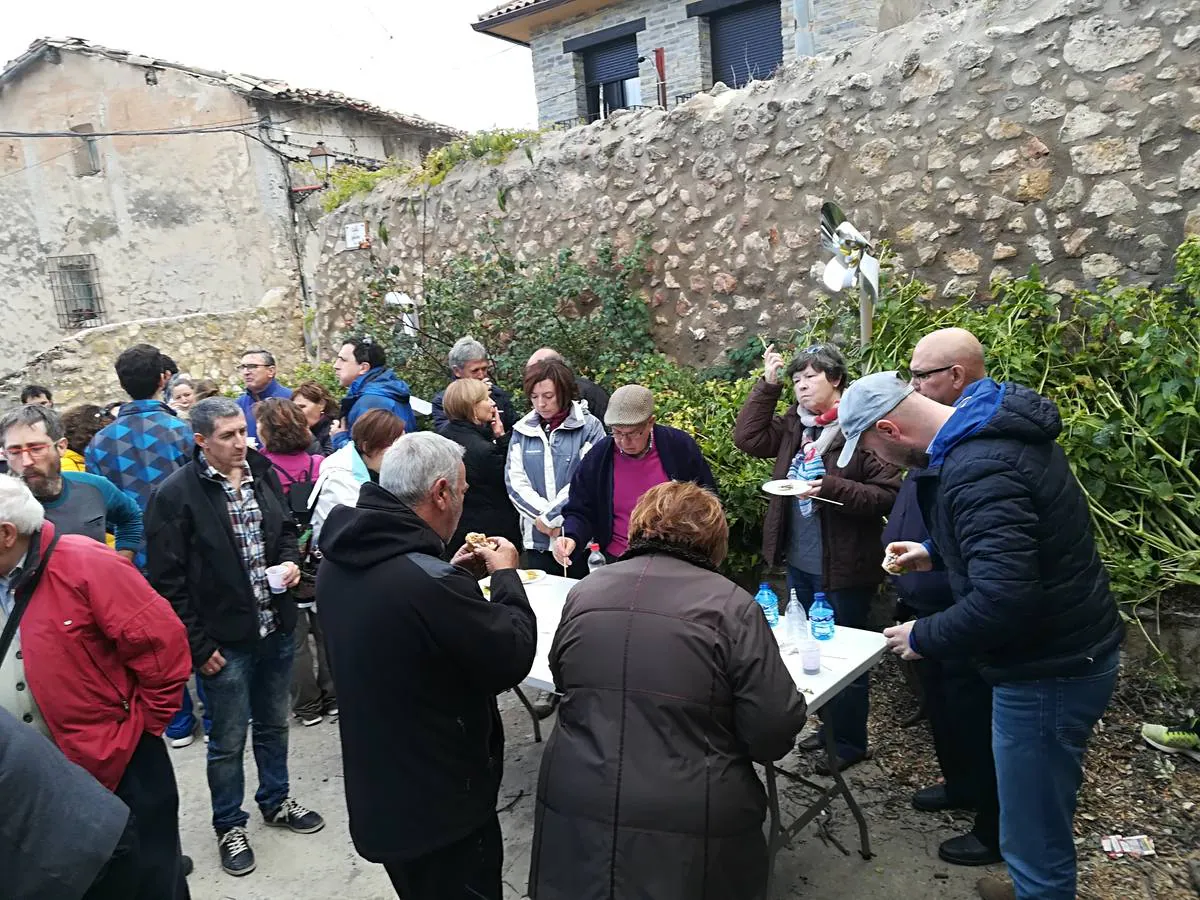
x: 540, y: 466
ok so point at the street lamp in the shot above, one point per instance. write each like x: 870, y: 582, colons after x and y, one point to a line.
x: 321, y: 161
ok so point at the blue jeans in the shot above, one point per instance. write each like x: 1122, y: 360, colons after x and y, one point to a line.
x: 184, y: 722
x: 255, y: 684
x: 847, y: 712
x: 1040, y: 730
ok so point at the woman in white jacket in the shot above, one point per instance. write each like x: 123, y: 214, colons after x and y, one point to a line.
x: 546, y: 448
x: 346, y: 470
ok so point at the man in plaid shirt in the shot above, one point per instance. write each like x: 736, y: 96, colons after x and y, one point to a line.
x: 215, y: 527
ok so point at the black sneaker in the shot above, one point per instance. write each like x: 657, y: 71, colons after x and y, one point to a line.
x: 296, y: 817
x: 236, y: 856
x: 186, y: 865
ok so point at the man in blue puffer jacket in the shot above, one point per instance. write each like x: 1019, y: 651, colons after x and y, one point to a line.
x: 1011, y: 526
x: 361, y: 367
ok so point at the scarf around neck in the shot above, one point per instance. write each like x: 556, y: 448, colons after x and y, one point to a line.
x: 820, y: 431
x: 549, y: 424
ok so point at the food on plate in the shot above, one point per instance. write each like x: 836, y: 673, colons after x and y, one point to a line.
x: 531, y: 574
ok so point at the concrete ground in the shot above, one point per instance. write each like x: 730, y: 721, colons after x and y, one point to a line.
x: 324, y: 866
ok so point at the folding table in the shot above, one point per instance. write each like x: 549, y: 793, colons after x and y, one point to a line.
x: 849, y: 654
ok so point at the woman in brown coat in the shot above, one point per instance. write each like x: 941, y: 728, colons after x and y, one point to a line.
x: 827, y: 548
x: 672, y: 686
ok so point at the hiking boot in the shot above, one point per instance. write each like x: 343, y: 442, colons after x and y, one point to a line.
x: 993, y: 888
x: 968, y: 850
x: 298, y: 818
x: 236, y: 856
x: 1174, y: 738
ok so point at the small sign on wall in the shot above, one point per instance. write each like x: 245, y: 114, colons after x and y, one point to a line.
x: 356, y: 236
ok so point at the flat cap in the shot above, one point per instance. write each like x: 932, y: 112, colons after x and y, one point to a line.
x: 631, y: 404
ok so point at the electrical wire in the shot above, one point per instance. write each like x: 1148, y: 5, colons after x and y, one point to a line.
x: 147, y: 132
x: 36, y: 164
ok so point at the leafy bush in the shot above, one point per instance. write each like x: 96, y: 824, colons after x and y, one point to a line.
x: 591, y: 312
x: 491, y: 146
x: 349, y: 181
x: 322, y: 374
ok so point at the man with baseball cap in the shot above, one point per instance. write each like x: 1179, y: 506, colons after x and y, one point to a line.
x: 619, y: 469
x: 1011, y: 526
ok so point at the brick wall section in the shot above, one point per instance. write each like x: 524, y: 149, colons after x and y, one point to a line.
x: 827, y: 25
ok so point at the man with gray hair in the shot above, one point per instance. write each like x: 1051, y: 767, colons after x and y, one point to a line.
x: 222, y: 547
x: 469, y: 359
x: 94, y: 659
x: 414, y: 636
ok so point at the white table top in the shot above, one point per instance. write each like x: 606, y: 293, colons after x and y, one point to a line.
x: 850, y: 653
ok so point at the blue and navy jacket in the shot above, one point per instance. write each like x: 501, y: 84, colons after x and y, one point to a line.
x: 247, y: 401
x: 379, y: 388
x: 1011, y: 526
x: 139, y: 450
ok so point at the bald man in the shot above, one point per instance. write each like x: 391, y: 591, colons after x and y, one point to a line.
x: 957, y: 699
x: 594, y: 397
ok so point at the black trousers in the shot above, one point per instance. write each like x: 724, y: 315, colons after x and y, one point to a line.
x: 468, y: 869
x: 149, y: 790
x: 119, y: 878
x: 959, y: 704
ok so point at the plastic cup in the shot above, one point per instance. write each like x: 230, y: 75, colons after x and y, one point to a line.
x: 810, y: 656
x: 275, y: 578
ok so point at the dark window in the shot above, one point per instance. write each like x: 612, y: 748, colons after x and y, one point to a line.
x: 87, y: 151
x: 75, y: 283
x: 610, y: 73
x: 747, y: 42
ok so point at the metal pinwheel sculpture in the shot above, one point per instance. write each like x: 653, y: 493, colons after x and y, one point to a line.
x: 854, y: 263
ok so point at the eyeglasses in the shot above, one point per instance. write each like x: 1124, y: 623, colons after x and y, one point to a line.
x: 246, y: 367
x: 914, y: 375
x: 629, y: 433
x: 35, y: 451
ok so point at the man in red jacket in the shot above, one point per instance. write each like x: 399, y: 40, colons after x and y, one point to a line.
x: 94, y: 659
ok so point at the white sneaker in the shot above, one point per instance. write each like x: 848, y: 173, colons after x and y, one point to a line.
x: 180, y: 742
x: 310, y: 721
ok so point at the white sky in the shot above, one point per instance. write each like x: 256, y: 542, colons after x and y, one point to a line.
x: 412, y: 56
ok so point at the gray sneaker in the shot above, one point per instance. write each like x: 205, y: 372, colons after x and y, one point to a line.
x: 236, y: 856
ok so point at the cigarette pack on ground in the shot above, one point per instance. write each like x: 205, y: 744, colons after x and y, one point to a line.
x: 1117, y: 846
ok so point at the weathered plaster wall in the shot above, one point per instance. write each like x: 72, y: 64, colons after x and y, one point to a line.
x: 180, y: 224
x: 206, y: 345
x: 979, y: 141
x: 344, y: 132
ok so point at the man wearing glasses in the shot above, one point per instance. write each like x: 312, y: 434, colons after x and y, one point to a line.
x: 619, y: 469
x: 257, y: 369
x: 957, y: 699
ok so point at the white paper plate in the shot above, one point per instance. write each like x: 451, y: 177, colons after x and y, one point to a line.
x: 528, y: 576
x: 787, y: 487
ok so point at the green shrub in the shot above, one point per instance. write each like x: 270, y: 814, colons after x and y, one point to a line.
x: 350, y: 181
x: 322, y: 374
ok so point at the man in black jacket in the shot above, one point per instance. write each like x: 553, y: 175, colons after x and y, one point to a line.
x: 414, y: 635
x: 222, y: 548
x: 957, y: 699
x: 1011, y: 526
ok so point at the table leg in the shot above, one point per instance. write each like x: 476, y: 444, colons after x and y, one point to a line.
x: 537, y: 725
x: 832, y: 757
x: 774, y: 836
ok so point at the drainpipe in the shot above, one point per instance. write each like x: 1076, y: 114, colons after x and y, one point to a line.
x: 660, y: 66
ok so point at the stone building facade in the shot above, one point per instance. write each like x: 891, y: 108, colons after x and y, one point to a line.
x: 126, y: 225
x: 561, y: 35
x: 1061, y: 134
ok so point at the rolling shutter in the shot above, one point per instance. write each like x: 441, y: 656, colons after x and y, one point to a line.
x: 747, y: 42
x: 615, y: 61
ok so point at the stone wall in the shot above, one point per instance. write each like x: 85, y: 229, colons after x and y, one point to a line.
x: 979, y: 141
x: 206, y: 345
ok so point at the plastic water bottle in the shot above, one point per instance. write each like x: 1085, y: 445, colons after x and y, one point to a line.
x: 595, y: 557
x: 769, y: 602
x: 795, y: 623
x: 821, y: 614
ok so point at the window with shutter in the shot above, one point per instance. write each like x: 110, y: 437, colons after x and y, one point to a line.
x: 611, y: 75
x: 747, y: 42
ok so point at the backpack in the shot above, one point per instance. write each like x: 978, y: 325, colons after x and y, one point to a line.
x: 298, y: 492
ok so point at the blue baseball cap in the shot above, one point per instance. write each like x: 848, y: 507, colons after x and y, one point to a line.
x: 865, y: 402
